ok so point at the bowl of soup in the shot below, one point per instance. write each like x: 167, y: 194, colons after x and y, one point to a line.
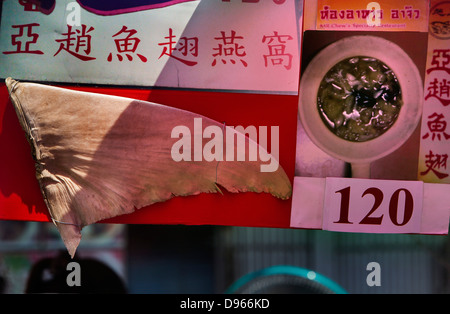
x: 360, y: 99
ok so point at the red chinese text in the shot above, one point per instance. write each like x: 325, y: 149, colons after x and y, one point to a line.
x: 277, y: 50
x: 440, y: 60
x: 434, y: 163
x: 229, y: 48
x: 439, y: 89
x: 126, y: 43
x: 186, y: 46
x: 437, y: 126
x: 24, y: 39
x: 29, y: 5
x: 77, y: 43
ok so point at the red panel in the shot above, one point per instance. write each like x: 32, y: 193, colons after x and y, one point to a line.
x: 20, y: 197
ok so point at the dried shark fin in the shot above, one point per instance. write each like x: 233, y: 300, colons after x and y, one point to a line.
x: 99, y: 156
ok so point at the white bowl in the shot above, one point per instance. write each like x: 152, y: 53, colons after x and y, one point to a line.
x: 361, y: 154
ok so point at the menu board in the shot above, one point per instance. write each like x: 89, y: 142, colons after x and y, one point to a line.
x: 372, y: 138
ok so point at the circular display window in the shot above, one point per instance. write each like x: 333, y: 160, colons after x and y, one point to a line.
x: 359, y: 98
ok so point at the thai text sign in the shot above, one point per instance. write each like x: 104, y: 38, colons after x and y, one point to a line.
x: 372, y: 15
x: 231, y: 45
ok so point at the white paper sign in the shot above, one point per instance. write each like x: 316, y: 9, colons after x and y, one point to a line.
x: 221, y: 45
x: 435, y: 132
x: 373, y: 206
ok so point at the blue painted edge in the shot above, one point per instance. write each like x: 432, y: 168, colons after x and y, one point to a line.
x: 287, y: 270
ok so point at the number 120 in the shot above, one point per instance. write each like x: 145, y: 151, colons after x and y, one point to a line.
x: 372, y: 218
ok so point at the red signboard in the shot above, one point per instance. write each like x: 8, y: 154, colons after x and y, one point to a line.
x: 20, y: 196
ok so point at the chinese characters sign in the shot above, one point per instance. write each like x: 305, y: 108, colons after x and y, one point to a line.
x: 224, y: 45
x: 435, y: 137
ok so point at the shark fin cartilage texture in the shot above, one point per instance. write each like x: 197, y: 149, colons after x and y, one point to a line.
x: 100, y: 156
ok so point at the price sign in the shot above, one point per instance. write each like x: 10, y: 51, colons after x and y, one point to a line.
x: 375, y: 206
